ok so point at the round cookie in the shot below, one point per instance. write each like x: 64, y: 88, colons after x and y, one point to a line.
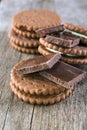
x: 24, y: 49
x: 22, y: 41
x: 34, y: 83
x: 42, y: 50
x: 71, y: 60
x: 40, y: 99
x: 35, y: 19
x: 75, y: 28
x: 25, y: 33
x: 77, y: 51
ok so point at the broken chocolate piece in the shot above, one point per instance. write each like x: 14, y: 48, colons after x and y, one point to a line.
x: 83, y: 38
x: 38, y: 63
x: 55, y: 29
x: 64, y: 74
x: 63, y: 40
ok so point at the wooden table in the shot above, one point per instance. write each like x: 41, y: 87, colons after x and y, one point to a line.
x: 70, y: 114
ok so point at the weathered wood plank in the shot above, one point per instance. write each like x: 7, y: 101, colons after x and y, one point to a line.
x: 11, y: 108
x: 7, y: 102
x: 68, y: 114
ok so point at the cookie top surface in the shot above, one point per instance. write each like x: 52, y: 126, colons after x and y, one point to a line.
x: 34, y: 83
x: 36, y: 19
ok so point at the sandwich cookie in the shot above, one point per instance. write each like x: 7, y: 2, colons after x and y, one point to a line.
x: 77, y: 50
x: 25, y: 24
x: 66, y: 58
x: 40, y: 99
x: 24, y: 33
x: 28, y: 50
x: 22, y: 41
x: 36, y: 89
x: 68, y: 43
x: 41, y: 80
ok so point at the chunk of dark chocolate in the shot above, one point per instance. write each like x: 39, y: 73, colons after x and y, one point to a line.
x: 64, y: 74
x: 63, y: 40
x: 38, y: 63
x: 83, y: 38
x: 50, y: 30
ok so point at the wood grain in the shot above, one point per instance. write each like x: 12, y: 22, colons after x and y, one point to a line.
x: 70, y: 114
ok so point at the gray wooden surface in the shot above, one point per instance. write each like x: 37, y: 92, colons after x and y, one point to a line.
x: 70, y: 114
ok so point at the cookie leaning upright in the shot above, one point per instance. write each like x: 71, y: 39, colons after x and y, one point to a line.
x: 25, y: 24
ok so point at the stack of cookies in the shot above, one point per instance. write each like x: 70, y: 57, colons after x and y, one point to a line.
x: 23, y: 35
x: 42, y: 80
x: 70, y: 41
